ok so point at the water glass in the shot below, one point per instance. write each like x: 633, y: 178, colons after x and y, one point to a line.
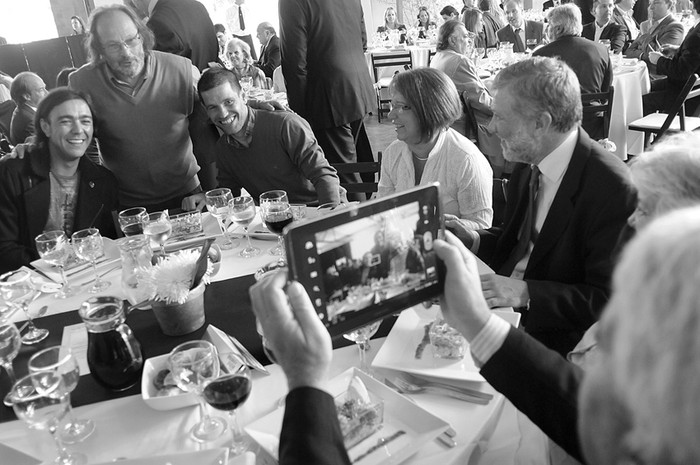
x: 59, y: 361
x: 361, y: 337
x: 10, y: 343
x: 17, y: 288
x: 246, y: 85
x: 131, y: 220
x: 55, y: 249
x: 242, y: 213
x: 157, y: 229
x: 88, y: 245
x: 219, y: 205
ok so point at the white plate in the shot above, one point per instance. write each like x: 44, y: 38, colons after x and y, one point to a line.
x: 204, y: 457
x: 150, y: 369
x: 398, y: 351
x: 399, y: 414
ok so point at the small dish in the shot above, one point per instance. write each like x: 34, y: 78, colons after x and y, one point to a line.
x: 151, y: 368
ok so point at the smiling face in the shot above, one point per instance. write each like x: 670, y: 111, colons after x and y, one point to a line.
x: 515, y: 131
x: 405, y: 120
x: 69, y: 130
x: 423, y: 17
x: 226, y: 108
x: 390, y: 16
x: 237, y: 55
x: 121, y: 46
x: 514, y: 14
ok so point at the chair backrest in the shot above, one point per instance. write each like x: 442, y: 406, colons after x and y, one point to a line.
x: 472, y: 129
x: 361, y: 167
x: 431, y: 54
x: 690, y: 89
x: 398, y: 60
x: 595, y: 106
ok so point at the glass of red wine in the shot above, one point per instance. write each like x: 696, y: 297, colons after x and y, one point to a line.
x: 276, y: 213
x: 227, y: 393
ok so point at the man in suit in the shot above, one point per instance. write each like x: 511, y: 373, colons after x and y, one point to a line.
x: 27, y: 90
x: 518, y: 31
x: 553, y: 257
x: 604, y: 27
x: 322, y: 43
x: 665, y: 29
x: 270, y: 57
x: 677, y: 67
x: 181, y: 27
x: 622, y: 14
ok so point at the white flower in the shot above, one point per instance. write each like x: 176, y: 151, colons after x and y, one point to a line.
x: 171, y: 277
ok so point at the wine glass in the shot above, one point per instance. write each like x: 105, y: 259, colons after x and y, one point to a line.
x: 276, y: 213
x: 242, y: 213
x: 219, y: 205
x: 55, y: 249
x: 531, y: 44
x: 228, y: 392
x: 478, y: 55
x: 131, y: 220
x: 16, y: 287
x: 246, y: 85
x: 88, y: 245
x: 192, y: 365
x: 40, y: 401
x: 59, y: 361
x: 157, y: 229
x: 361, y: 337
x: 9, y: 348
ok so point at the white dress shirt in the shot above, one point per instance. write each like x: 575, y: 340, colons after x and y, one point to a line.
x: 629, y: 22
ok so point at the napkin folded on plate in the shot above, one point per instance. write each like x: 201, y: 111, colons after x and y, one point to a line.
x: 231, y: 351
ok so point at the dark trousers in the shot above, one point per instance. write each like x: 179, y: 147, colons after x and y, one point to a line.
x: 348, y: 143
x: 248, y: 40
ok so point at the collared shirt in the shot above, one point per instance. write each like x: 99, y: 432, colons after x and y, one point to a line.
x: 552, y: 169
x: 233, y: 20
x: 655, y: 23
x: 629, y: 22
x: 246, y: 138
x: 599, y: 30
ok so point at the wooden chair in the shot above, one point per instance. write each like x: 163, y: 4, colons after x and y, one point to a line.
x: 597, y: 108
x: 374, y: 167
x: 673, y: 121
x: 397, y: 60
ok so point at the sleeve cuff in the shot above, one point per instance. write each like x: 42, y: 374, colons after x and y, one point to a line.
x: 476, y: 241
x: 489, y: 339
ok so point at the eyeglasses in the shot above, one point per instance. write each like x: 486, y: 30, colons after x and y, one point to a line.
x: 116, y: 47
x: 399, y: 107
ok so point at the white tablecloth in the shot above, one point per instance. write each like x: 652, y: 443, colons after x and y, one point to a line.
x: 630, y: 84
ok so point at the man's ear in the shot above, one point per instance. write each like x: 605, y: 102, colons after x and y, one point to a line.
x: 46, y: 127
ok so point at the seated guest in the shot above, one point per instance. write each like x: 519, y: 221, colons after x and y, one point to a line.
x: 623, y: 14
x: 677, y: 64
x: 631, y: 407
x: 424, y: 23
x: 494, y: 19
x: 424, y: 102
x: 263, y: 150
x: 391, y: 24
x: 238, y: 53
x: 27, y: 90
x: 519, y: 31
x: 449, y: 13
x: 451, y: 59
x: 554, y: 257
x: 5, y: 84
x: 222, y: 39
x: 604, y: 27
x: 472, y: 19
x: 270, y: 57
x: 54, y: 186
x: 589, y: 60
x: 664, y: 30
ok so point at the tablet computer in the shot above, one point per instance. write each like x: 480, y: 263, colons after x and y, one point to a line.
x: 366, y: 261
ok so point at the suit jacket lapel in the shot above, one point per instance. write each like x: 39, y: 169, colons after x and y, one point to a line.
x: 562, y: 207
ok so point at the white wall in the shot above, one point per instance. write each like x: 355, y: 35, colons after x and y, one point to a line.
x: 23, y: 21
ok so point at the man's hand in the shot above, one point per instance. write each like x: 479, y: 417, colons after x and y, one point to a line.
x: 500, y: 291
x: 194, y: 202
x: 654, y: 57
x: 669, y: 49
x: 455, y: 224
x: 19, y: 150
x: 463, y: 305
x: 269, y: 105
x: 300, y: 342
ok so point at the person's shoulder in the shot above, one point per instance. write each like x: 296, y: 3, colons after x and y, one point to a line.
x: 604, y: 166
x: 393, y: 152
x: 459, y: 148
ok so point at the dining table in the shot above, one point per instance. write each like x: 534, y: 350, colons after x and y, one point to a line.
x: 126, y: 427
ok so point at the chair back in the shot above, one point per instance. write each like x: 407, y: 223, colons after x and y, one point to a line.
x: 597, y: 108
x: 690, y: 90
x: 472, y: 129
x: 374, y: 167
x: 398, y: 60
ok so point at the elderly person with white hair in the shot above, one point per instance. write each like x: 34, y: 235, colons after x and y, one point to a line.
x: 238, y: 53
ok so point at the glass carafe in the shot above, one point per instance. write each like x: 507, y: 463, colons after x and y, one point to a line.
x: 113, y: 353
x: 136, y: 257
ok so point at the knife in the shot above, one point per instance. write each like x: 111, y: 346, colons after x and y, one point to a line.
x: 381, y: 442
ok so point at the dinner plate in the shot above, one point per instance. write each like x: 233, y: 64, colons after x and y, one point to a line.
x: 217, y: 456
x: 400, y: 414
x: 399, y: 350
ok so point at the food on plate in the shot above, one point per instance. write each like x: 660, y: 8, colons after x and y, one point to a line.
x: 446, y: 341
x: 165, y: 384
x: 359, y: 415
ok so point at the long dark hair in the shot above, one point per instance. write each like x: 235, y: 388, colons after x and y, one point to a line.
x: 52, y: 100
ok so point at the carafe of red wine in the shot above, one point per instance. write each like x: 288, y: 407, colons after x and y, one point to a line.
x: 113, y: 353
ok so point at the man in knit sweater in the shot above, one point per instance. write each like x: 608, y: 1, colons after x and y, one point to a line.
x: 262, y: 150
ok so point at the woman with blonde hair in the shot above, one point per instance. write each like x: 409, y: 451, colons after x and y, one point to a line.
x: 238, y: 53
x: 391, y: 23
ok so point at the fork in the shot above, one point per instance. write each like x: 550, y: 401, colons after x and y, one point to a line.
x: 421, y: 382
x: 408, y: 388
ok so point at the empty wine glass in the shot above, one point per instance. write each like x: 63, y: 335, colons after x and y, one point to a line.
x: 361, y: 337
x: 192, y: 365
x: 55, y: 249
x: 276, y: 213
x: 41, y: 402
x: 131, y: 220
x: 242, y: 213
x: 157, y: 229
x: 88, y: 245
x: 16, y: 287
x: 9, y: 348
x: 60, y: 361
x: 219, y: 205
x: 227, y: 393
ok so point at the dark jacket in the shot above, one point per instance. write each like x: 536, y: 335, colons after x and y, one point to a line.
x: 684, y: 63
x: 22, y: 124
x: 614, y: 32
x: 270, y: 57
x: 25, y: 192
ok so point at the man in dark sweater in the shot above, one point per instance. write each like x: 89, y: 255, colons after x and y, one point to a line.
x: 261, y: 150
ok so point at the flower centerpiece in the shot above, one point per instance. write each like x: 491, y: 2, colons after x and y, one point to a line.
x: 178, y: 291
